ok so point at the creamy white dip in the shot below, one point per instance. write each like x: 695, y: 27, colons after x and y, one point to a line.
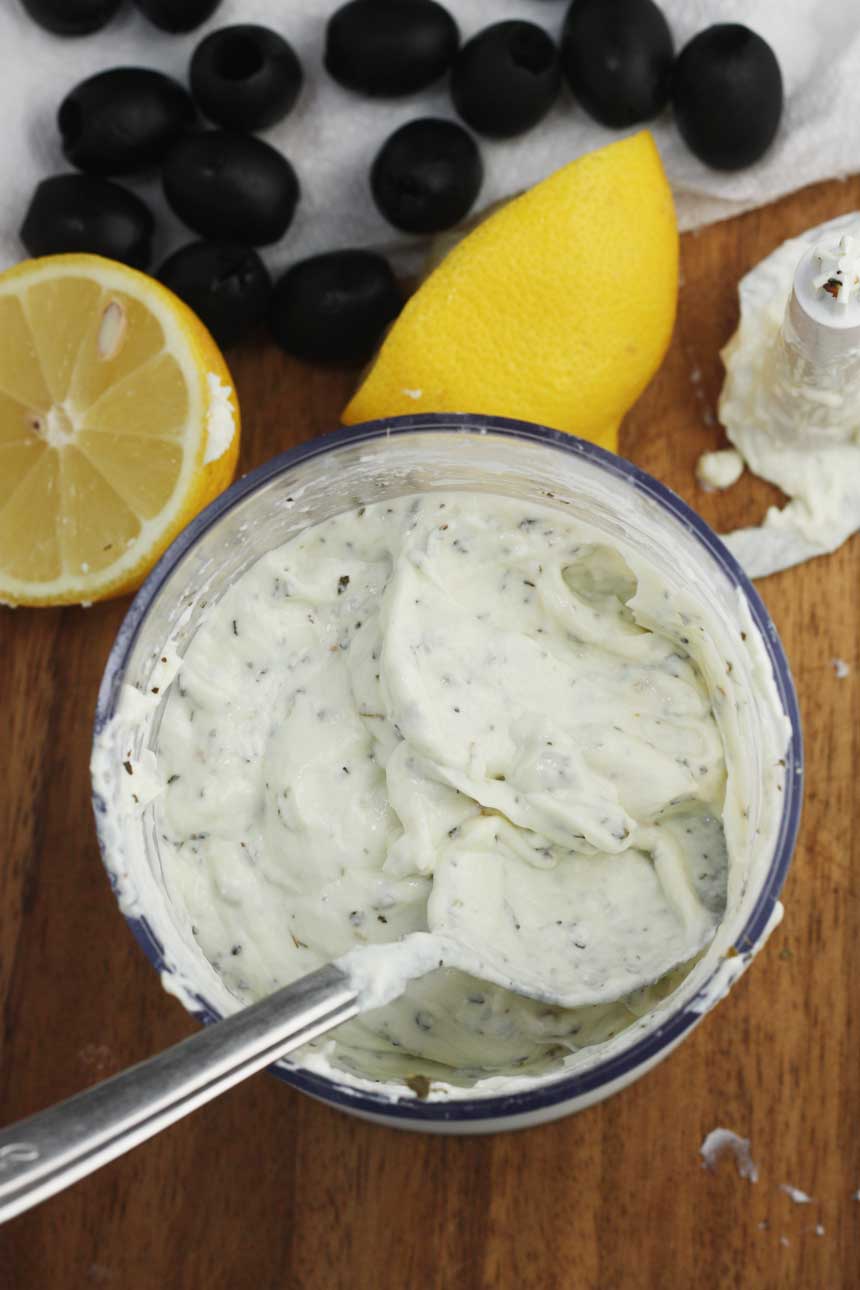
x: 720, y: 469
x: 444, y: 708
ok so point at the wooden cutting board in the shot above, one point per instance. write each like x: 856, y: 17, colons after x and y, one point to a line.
x: 267, y: 1189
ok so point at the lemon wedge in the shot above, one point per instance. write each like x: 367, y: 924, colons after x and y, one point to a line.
x: 118, y: 423
x: 557, y: 308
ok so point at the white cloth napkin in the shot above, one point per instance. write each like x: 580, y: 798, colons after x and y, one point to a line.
x: 332, y: 136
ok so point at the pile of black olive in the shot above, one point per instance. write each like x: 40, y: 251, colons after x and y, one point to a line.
x: 238, y: 192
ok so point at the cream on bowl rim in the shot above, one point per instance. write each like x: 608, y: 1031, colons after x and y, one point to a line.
x: 396, y: 452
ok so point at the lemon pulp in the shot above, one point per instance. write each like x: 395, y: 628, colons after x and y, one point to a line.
x: 107, y: 383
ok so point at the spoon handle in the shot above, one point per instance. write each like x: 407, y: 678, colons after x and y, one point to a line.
x: 54, y: 1148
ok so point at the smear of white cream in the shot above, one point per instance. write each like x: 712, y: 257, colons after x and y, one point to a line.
x: 716, y: 471
x: 718, y: 1142
x: 381, y: 973
x: 799, y: 1197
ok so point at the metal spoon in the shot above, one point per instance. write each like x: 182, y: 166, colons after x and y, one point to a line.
x: 54, y: 1148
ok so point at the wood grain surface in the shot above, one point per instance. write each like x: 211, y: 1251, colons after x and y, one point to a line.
x: 267, y: 1189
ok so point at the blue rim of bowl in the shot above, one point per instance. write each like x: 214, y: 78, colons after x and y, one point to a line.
x: 643, y: 1052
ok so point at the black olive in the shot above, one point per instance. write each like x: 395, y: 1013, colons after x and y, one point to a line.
x: 231, y: 187
x: 334, y: 307
x: 617, y: 58
x: 385, y: 48
x: 86, y: 213
x: 71, y: 17
x: 727, y: 96
x: 123, y: 120
x: 227, y: 286
x: 427, y: 175
x: 177, y: 15
x: 245, y: 77
x: 506, y: 79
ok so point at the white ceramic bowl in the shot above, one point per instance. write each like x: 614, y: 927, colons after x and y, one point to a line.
x: 366, y: 464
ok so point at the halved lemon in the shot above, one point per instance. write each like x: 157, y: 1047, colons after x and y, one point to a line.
x: 118, y: 423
